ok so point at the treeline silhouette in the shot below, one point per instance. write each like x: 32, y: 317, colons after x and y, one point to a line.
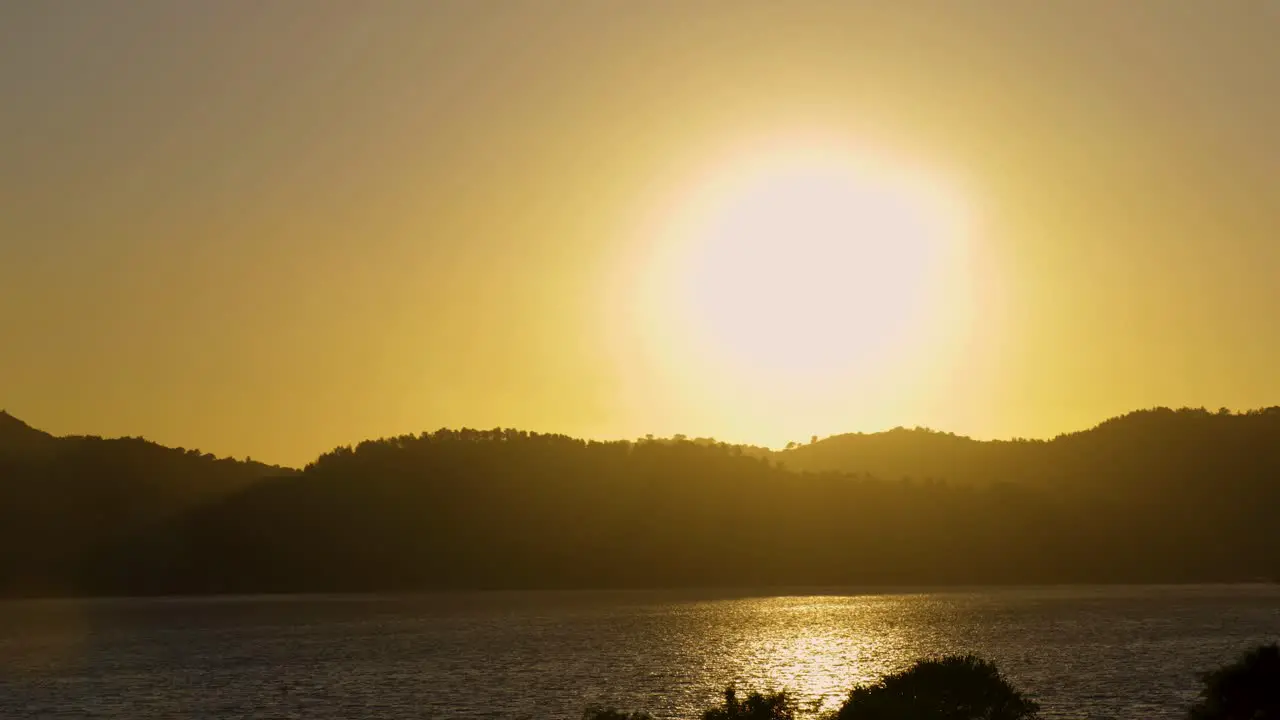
x: 65, y: 502
x: 966, y: 687
x: 955, y: 687
x: 1154, y: 496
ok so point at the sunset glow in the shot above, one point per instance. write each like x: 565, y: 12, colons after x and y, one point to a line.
x: 266, y: 230
x: 817, y: 271
x: 820, y: 265
x: 640, y: 359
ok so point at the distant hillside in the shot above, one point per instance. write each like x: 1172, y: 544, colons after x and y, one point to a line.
x: 17, y: 437
x: 64, y: 499
x: 1130, y: 454
x: 1153, y: 496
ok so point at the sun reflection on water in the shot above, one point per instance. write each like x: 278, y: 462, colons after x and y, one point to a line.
x: 790, y: 643
x: 1118, y: 652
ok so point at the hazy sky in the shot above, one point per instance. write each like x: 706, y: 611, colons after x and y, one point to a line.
x: 269, y: 228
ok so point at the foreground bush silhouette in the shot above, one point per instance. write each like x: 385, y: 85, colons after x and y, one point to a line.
x: 774, y: 706
x: 1247, y: 689
x: 958, y: 687
x: 757, y: 706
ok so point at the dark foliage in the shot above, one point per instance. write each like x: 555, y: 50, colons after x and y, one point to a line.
x: 961, y: 687
x: 84, y: 514
x: 1159, y: 496
x: 1248, y: 689
x: 756, y: 706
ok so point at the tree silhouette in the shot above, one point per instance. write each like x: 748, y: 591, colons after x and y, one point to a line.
x: 1155, y: 496
x: 960, y: 687
x: 1248, y: 689
x: 756, y: 706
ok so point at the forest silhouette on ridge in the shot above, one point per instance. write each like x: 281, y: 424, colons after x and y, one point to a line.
x: 1153, y: 496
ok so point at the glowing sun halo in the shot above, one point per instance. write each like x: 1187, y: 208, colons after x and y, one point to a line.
x: 813, y: 267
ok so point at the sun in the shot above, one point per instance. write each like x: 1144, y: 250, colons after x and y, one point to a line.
x: 772, y: 289
x: 817, y: 265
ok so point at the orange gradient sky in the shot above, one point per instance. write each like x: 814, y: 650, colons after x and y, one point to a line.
x: 268, y: 229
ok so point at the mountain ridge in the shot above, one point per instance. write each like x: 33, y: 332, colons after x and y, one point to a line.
x: 835, y: 453
x: 1154, y: 496
x: 17, y: 435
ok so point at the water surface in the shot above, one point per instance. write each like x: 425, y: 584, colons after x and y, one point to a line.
x: 1116, y: 652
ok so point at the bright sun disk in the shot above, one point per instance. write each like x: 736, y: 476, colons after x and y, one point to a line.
x: 818, y: 267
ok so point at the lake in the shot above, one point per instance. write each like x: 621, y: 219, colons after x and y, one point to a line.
x: 1102, y: 652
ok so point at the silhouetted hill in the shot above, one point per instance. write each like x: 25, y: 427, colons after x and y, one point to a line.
x: 1143, y: 451
x: 66, y: 500
x: 900, y: 452
x: 1154, y: 496
x: 17, y: 437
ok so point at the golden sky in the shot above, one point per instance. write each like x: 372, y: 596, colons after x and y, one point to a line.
x: 268, y: 229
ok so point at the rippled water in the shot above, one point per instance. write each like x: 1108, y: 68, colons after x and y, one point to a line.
x: 1083, y: 652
